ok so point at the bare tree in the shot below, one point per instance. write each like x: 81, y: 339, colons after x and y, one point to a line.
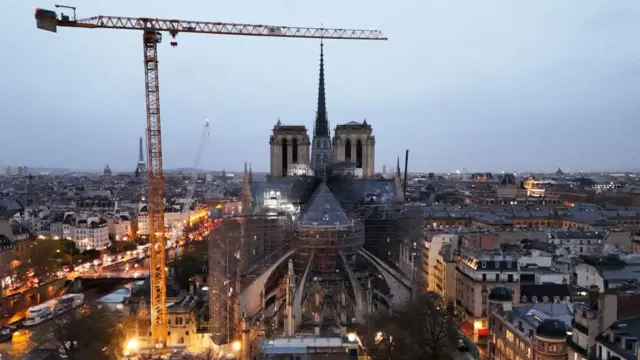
x: 89, y: 332
x: 424, y: 329
x: 430, y: 327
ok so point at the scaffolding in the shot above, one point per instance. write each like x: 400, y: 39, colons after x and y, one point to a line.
x: 225, y: 243
x: 349, y: 215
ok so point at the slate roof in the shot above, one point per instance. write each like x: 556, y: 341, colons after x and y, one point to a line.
x: 622, y: 330
x: 324, y: 209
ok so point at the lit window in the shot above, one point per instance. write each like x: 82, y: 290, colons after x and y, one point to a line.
x: 509, y: 336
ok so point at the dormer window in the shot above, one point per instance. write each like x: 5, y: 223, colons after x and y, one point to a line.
x: 508, y: 264
x: 524, y: 299
x: 545, y: 299
x: 535, y: 299
x: 483, y: 264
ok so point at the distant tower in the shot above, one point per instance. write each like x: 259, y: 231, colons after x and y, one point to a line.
x: 31, y: 192
x: 384, y: 169
x: 142, y: 167
x: 107, y: 170
x: 321, y: 153
x: 245, y: 194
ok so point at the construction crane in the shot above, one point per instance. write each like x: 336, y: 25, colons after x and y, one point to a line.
x: 191, y: 187
x: 152, y: 31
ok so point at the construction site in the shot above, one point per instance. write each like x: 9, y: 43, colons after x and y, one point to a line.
x: 309, y: 253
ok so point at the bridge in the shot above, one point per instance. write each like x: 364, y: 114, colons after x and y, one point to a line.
x: 130, y: 275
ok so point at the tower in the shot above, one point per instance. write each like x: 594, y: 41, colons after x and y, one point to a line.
x: 289, y: 145
x: 142, y: 167
x: 245, y: 194
x: 321, y: 154
x: 354, y: 143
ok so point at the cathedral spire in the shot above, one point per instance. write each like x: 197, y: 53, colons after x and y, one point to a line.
x: 398, y: 173
x: 321, y: 128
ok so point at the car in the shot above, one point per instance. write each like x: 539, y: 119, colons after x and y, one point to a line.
x: 5, y: 334
x: 462, y: 346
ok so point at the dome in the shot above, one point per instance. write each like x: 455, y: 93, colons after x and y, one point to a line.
x: 551, y: 328
x: 500, y: 293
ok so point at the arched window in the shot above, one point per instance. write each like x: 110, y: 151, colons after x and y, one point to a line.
x: 347, y: 151
x: 285, y: 156
x: 294, y: 150
x: 359, y: 154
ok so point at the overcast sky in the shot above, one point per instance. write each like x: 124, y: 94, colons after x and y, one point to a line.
x: 483, y: 85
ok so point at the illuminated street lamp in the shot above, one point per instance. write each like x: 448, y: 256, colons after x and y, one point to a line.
x: 236, y: 346
x: 132, y: 346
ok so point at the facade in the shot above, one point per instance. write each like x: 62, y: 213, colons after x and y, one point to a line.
x: 478, y: 272
x: 172, y: 215
x: 91, y: 233
x: 579, y: 242
x: 445, y: 274
x: 430, y: 256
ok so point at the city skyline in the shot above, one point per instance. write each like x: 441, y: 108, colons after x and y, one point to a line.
x: 496, y: 86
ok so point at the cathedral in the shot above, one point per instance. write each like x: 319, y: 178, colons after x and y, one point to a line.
x: 353, y: 143
x: 316, y: 247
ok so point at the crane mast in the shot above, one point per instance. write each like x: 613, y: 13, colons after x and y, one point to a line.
x: 151, y: 36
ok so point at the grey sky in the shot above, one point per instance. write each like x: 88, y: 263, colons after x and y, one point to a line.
x: 486, y: 85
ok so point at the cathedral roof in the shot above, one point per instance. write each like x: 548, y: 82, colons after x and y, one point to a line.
x: 324, y: 209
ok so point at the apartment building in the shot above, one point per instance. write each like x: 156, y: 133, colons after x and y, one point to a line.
x: 580, y: 242
x: 120, y: 226
x: 444, y: 274
x: 620, y: 341
x: 607, y: 273
x: 527, y: 332
x: 478, y: 272
x: 430, y: 256
x: 594, y: 316
x: 91, y: 233
x: 172, y: 215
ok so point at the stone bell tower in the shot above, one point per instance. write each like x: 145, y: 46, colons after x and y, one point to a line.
x: 289, y: 145
x: 354, y: 143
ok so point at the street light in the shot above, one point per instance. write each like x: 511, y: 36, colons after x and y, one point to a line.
x: 236, y: 346
x: 132, y: 346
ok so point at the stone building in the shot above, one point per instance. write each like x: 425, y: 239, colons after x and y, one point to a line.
x: 533, y: 331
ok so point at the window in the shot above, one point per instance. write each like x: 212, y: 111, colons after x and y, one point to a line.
x: 497, y: 277
x: 508, y: 264
x: 545, y: 299
x: 509, y: 336
x: 484, y: 278
x: 483, y: 264
x: 510, y: 277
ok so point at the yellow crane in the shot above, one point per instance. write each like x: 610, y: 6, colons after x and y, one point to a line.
x: 152, y: 30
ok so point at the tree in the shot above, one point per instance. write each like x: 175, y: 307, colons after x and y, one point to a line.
x: 186, y: 268
x: 91, y: 254
x: 89, y: 332
x: 425, y: 329
x: 43, y: 257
